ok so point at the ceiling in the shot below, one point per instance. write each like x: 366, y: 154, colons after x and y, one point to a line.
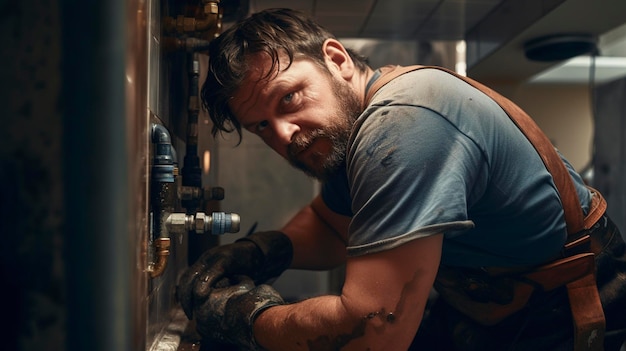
x: 397, y: 19
x: 495, y: 31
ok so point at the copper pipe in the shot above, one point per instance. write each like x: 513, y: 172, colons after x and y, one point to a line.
x: 208, y: 19
x: 162, y: 247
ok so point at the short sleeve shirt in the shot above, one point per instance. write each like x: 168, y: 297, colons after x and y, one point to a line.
x: 430, y: 155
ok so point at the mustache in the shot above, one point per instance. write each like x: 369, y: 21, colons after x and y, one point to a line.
x: 302, y: 141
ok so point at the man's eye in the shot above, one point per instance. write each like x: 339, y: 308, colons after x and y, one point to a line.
x: 288, y: 98
x: 262, y: 125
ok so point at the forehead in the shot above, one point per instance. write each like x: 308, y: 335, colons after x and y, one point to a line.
x: 261, y: 67
x: 261, y: 72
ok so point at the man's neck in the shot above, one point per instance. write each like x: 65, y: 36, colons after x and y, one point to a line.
x: 360, y: 83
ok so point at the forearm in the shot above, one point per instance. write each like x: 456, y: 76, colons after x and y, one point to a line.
x: 326, y: 323
x: 320, y: 323
x: 380, y: 307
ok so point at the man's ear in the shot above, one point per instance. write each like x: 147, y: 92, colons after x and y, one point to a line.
x: 337, y: 56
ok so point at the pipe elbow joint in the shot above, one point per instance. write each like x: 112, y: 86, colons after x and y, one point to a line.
x: 165, y: 155
x: 162, y: 246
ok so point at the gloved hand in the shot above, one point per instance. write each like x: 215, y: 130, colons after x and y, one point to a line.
x: 260, y: 256
x: 227, y: 316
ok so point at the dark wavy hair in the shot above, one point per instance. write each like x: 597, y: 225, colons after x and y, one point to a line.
x: 275, y: 32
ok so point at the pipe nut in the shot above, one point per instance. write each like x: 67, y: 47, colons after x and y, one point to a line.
x: 211, y: 8
x: 177, y: 223
x: 200, y: 222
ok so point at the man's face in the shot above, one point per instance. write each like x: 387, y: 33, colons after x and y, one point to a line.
x: 304, y: 113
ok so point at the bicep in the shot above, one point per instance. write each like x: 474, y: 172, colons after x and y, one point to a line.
x: 390, y: 289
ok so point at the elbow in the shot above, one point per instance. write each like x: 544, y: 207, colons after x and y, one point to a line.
x: 379, y: 328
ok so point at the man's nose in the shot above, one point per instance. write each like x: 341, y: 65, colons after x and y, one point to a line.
x: 284, y: 131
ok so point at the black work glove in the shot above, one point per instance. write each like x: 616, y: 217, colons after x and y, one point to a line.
x: 227, y: 316
x: 260, y: 256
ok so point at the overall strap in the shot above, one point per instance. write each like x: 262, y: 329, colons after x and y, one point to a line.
x: 565, y: 187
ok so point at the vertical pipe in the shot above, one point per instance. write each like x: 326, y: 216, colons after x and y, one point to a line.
x: 141, y: 15
x: 191, y: 172
x: 97, y: 250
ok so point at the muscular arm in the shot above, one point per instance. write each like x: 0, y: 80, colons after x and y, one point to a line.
x: 380, y: 307
x: 318, y: 236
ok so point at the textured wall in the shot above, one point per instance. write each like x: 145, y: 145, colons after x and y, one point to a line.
x: 31, y: 261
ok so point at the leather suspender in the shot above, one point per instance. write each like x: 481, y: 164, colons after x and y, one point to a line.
x: 585, y: 303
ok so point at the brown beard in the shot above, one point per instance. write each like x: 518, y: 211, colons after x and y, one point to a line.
x: 338, y: 134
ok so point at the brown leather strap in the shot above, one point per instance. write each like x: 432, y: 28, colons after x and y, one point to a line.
x: 596, y: 209
x: 567, y: 192
x: 388, y: 73
x: 587, y: 313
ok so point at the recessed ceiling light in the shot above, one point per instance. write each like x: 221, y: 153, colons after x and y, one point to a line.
x: 559, y: 47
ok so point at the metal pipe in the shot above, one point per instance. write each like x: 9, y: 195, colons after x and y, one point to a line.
x: 162, y: 246
x: 97, y: 150
x: 162, y: 196
x: 192, y: 172
x: 208, y: 20
x: 173, y: 44
x: 217, y: 223
x: 163, y: 161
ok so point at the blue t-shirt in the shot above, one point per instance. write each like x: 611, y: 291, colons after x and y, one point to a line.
x: 434, y: 155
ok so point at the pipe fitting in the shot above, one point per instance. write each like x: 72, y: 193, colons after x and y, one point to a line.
x: 211, y: 7
x: 188, y: 193
x: 163, y: 169
x: 173, y: 44
x: 217, y: 223
x: 182, y: 24
x: 162, y: 247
